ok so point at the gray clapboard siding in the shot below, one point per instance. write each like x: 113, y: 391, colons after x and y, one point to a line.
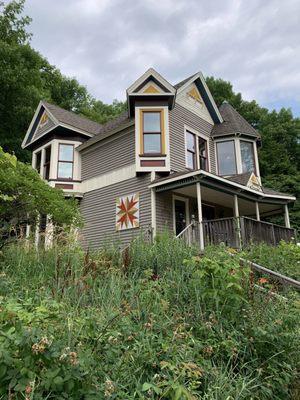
x: 179, y: 117
x: 164, y: 212
x: 114, y: 153
x: 98, y: 208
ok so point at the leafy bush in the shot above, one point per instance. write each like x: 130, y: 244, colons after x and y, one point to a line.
x: 82, y: 326
x: 284, y: 258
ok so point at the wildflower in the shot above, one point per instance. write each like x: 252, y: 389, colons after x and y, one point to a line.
x: 73, y: 358
x: 148, y: 325
x: 112, y: 340
x: 208, y: 350
x: 28, y: 389
x: 109, y: 388
x: 263, y: 280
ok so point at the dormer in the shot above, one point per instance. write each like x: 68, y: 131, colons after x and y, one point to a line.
x: 53, y: 137
x: 149, y: 100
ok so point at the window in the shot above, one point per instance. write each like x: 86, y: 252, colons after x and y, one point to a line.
x: 65, y: 161
x: 190, y: 150
x: 247, y: 156
x: 226, y: 157
x: 46, y: 172
x: 203, y: 159
x: 152, y: 142
x: 38, y: 160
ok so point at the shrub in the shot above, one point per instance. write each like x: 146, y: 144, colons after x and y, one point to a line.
x: 77, y: 325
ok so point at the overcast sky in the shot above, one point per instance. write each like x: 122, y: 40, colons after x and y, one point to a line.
x: 107, y: 44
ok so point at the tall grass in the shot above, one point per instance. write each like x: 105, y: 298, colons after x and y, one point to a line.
x: 159, y: 322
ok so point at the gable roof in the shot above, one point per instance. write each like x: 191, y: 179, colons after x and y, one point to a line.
x: 179, y: 84
x: 232, y: 123
x: 72, y: 119
x: 59, y: 117
x: 205, y: 93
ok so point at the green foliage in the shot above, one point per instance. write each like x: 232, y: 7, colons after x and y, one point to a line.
x: 284, y: 258
x: 26, y: 77
x: 76, y: 325
x: 24, y: 196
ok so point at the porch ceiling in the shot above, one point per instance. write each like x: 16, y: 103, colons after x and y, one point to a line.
x: 216, y: 197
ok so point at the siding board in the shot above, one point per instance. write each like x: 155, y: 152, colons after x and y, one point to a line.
x: 98, y: 208
x: 179, y: 117
x: 112, y: 154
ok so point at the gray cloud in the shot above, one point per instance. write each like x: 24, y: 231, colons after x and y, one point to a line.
x: 107, y: 44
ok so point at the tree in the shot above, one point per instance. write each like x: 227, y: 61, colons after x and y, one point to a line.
x: 26, y: 77
x: 24, y: 196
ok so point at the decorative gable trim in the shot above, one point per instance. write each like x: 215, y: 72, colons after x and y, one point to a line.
x: 35, y: 124
x: 191, y: 99
x: 254, y: 183
x: 205, y: 94
x: 151, y: 74
x: 40, y: 116
x: 151, y: 88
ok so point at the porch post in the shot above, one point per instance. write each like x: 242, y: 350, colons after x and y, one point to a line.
x: 199, y: 203
x: 286, y: 216
x: 153, y: 207
x: 153, y: 212
x: 43, y: 155
x: 257, y: 211
x: 237, y: 217
x: 49, y: 232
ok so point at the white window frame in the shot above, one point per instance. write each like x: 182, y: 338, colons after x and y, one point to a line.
x: 54, y: 143
x: 238, y: 155
x: 197, y: 135
x: 257, y: 172
x: 187, y: 209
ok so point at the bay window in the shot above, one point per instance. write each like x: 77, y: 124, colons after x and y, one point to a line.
x: 226, y: 157
x: 247, y: 156
x: 152, y: 132
x: 65, y: 161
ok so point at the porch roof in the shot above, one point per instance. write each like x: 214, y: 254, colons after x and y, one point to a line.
x: 187, y: 178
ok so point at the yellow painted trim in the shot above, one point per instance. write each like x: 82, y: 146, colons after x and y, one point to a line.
x: 151, y: 89
x: 195, y: 94
x: 162, y: 126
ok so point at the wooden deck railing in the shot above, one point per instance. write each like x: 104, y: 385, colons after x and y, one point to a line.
x: 237, y: 232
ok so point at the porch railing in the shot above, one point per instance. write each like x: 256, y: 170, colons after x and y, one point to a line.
x: 236, y: 232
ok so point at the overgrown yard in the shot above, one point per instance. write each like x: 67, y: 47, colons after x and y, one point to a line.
x: 163, y: 323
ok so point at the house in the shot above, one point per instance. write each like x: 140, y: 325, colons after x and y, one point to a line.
x: 174, y: 161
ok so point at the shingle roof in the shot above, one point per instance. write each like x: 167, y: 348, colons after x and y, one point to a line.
x: 72, y: 119
x: 241, y: 179
x: 274, y: 192
x: 233, y: 123
x: 179, y: 84
x: 114, y: 123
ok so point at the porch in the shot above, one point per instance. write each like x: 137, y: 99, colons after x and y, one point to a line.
x: 236, y: 232
x: 203, y: 208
